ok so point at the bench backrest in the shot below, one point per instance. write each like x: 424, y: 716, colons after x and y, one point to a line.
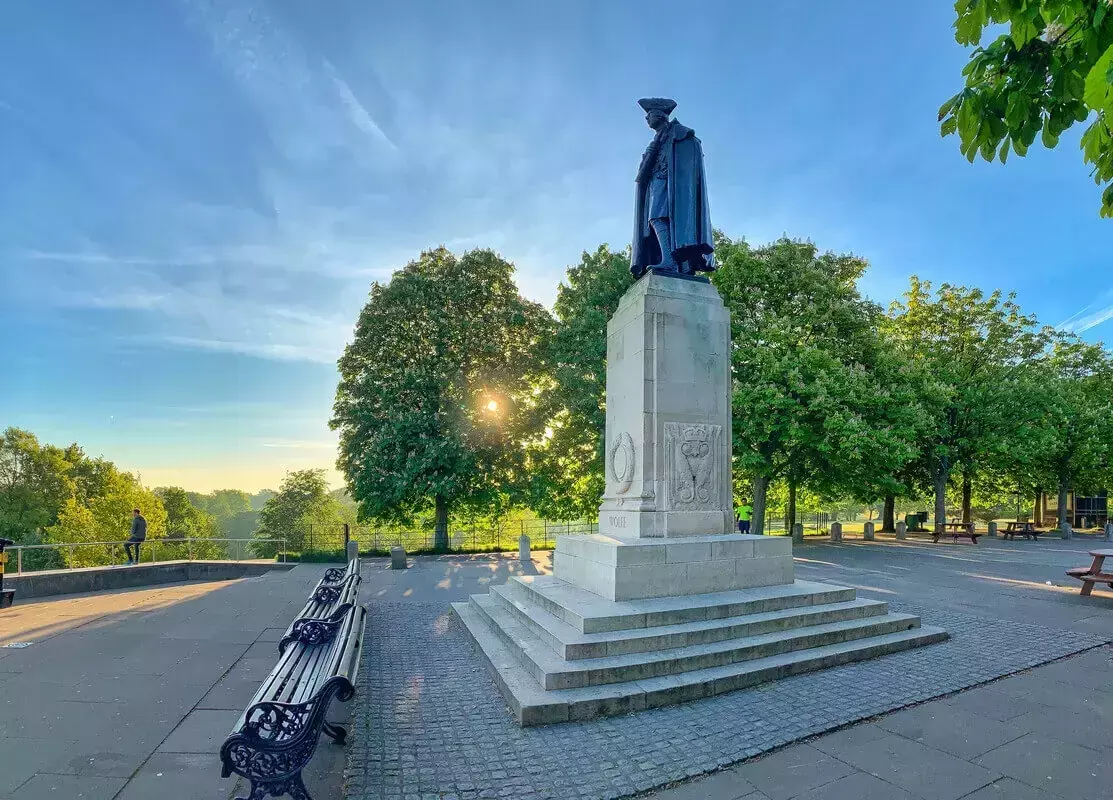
x: 303, y: 671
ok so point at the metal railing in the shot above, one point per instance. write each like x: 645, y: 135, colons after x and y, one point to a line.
x: 192, y: 544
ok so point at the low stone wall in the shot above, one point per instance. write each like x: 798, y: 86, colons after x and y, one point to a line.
x: 99, y: 579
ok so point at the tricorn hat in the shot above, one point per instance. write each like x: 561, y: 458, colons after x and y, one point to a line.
x: 662, y: 104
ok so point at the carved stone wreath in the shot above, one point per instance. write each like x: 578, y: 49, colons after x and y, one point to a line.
x: 620, y: 462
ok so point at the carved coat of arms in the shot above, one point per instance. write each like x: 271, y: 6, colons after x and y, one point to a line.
x: 691, y: 463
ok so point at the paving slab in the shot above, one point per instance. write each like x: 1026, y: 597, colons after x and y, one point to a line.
x: 1008, y: 789
x: 1055, y: 766
x: 856, y: 786
x: 917, y: 768
x: 993, y: 703
x: 21, y: 759
x: 202, y: 731
x: 181, y: 776
x: 793, y: 771
x: 71, y: 787
x: 954, y: 730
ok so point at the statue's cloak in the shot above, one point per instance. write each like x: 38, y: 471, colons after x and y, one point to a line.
x: 689, y: 214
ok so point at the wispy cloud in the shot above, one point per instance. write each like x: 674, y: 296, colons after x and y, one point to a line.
x: 309, y: 108
x: 1080, y: 324
x: 1091, y: 315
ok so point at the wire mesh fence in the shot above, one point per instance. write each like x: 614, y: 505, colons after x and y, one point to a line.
x: 462, y: 538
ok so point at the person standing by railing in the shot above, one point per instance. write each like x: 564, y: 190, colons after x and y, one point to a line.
x: 138, y: 536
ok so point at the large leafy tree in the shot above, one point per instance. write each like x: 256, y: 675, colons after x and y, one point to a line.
x: 435, y: 404
x: 818, y: 401
x: 1051, y: 69
x: 1074, y: 437
x: 977, y: 351
x: 566, y: 465
x: 34, y: 485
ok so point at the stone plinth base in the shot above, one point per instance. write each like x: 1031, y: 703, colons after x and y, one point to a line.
x: 620, y: 568
x: 559, y: 652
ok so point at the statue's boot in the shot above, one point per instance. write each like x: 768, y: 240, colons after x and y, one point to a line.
x: 668, y: 263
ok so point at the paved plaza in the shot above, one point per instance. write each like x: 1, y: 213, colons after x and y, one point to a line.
x: 431, y: 724
x: 129, y: 694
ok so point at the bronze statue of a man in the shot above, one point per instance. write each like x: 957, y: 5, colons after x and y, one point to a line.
x: 672, y: 222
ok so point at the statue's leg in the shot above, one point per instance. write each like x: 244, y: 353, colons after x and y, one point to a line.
x: 664, y: 239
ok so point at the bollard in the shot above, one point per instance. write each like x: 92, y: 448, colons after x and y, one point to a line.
x: 902, y: 530
x: 991, y: 530
x: 867, y: 532
x: 397, y: 558
x: 7, y: 596
x: 1109, y: 531
x: 836, y: 531
x: 523, y: 549
x: 1065, y: 531
x: 798, y: 533
x: 353, y: 550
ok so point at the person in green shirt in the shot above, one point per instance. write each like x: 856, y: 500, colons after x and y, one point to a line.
x: 745, y: 512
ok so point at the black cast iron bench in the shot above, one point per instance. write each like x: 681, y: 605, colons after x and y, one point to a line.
x: 276, y: 736
x: 335, y: 592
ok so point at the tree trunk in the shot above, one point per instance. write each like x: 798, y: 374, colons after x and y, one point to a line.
x: 967, y: 490
x: 1064, y: 488
x: 440, y: 527
x: 1037, y: 510
x: 761, y: 487
x: 942, y: 473
x: 790, y: 512
x: 889, y: 518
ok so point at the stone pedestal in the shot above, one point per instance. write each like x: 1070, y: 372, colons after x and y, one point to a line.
x: 668, y: 412
x: 666, y: 603
x: 625, y: 568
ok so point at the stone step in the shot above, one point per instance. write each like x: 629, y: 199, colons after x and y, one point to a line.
x: 568, y: 643
x: 590, y: 613
x: 553, y: 672
x: 532, y: 705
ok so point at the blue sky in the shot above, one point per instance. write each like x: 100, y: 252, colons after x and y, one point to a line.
x: 195, y: 196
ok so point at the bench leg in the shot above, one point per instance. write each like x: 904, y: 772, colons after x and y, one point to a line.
x: 294, y: 787
x: 1087, y: 587
x: 335, y: 732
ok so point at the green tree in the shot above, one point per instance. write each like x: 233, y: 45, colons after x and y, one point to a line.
x: 1075, y: 432
x: 818, y: 400
x: 185, y: 520
x: 1051, y: 69
x: 437, y: 390
x: 223, y: 504
x: 106, y: 516
x: 301, y: 512
x: 34, y: 486
x: 566, y: 466
x: 977, y: 351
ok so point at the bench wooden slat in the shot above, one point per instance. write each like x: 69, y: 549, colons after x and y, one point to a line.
x: 277, y: 734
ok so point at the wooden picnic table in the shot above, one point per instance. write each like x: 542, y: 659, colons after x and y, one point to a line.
x: 958, y: 529
x: 1023, y: 528
x: 1093, y: 573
